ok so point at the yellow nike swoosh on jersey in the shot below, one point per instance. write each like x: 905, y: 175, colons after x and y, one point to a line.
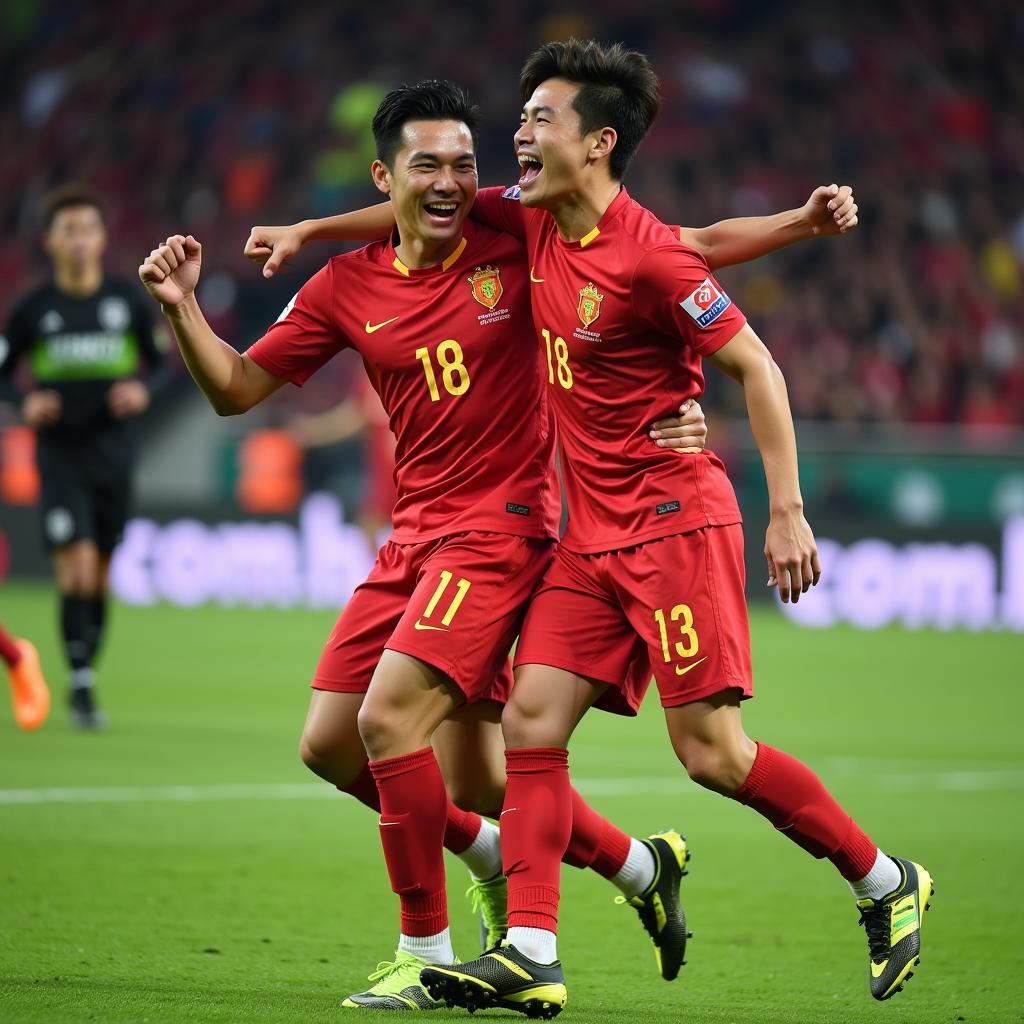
x: 535, y: 280
x: 683, y: 671
x: 370, y: 328
x: 421, y: 625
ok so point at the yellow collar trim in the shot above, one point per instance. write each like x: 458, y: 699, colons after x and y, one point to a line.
x: 446, y: 264
x: 455, y: 255
x: 589, y: 237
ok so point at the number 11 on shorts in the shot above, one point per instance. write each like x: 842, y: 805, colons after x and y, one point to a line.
x: 461, y: 589
x: 689, y: 644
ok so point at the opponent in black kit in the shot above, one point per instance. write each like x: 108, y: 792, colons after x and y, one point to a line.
x: 88, y: 342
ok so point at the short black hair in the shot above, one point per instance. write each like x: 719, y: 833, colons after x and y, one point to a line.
x: 430, y: 100
x: 65, y: 196
x: 618, y: 89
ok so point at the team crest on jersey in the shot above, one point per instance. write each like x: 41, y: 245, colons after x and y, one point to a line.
x: 707, y: 303
x: 51, y: 322
x: 113, y: 313
x: 486, y: 285
x: 589, y: 307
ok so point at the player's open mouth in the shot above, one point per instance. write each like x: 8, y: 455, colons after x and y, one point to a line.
x: 441, y: 213
x: 531, y: 167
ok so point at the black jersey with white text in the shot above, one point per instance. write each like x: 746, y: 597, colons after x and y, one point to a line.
x: 78, y: 347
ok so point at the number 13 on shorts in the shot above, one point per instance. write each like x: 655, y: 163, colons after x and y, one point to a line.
x: 688, y: 644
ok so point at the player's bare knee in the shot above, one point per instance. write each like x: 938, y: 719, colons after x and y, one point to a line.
x: 722, y: 769
x: 324, y: 758
x: 528, y: 724
x: 312, y: 756
x: 379, y: 729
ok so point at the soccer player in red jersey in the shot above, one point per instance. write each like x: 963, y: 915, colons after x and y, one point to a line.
x: 439, y: 313
x: 29, y: 692
x: 829, y: 210
x: 652, y: 559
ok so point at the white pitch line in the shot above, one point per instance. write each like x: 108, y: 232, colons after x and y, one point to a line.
x: 168, y: 794
x: 942, y: 782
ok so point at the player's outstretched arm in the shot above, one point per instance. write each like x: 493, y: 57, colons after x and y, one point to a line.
x: 274, y: 246
x: 789, y: 547
x: 341, y: 423
x: 231, y: 382
x: 830, y: 210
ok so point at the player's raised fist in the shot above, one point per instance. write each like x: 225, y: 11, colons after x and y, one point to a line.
x: 274, y: 246
x: 171, y: 271
x: 831, y: 210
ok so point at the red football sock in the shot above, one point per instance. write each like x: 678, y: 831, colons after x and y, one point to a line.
x: 8, y: 648
x: 796, y: 802
x: 364, y: 789
x: 461, y: 828
x: 594, y: 841
x: 413, y: 809
x: 535, y: 826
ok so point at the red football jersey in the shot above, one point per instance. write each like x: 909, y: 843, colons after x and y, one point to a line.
x: 624, y: 316
x: 450, y: 352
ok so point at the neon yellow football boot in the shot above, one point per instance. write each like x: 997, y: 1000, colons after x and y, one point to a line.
x: 489, y: 899
x: 501, y: 977
x: 660, y: 911
x: 397, y: 987
x: 893, y: 925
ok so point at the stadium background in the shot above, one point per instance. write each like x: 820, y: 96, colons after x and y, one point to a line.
x: 903, y: 345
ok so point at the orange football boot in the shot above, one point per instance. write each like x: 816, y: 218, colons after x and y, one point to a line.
x: 29, y: 691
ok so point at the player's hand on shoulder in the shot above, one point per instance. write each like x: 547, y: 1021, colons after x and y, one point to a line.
x: 792, y: 555
x: 127, y: 398
x: 171, y: 271
x: 685, y: 432
x: 41, y: 408
x: 831, y: 210
x: 274, y: 246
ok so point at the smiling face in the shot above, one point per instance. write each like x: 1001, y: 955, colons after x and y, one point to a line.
x: 555, y: 160
x: 432, y: 181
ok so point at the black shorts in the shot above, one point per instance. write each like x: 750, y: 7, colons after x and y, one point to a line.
x: 83, y: 497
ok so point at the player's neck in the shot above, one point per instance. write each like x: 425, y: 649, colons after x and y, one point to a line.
x: 80, y: 282
x: 579, y: 214
x: 418, y: 253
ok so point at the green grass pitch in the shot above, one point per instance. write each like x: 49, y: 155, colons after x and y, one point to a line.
x: 250, y: 893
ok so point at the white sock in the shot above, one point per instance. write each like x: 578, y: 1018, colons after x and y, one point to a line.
x: 435, y: 949
x: 483, y: 856
x: 82, y: 678
x: 883, y: 878
x: 536, y: 943
x: 638, y: 872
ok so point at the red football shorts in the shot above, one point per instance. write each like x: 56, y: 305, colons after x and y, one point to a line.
x: 456, y: 603
x: 673, y: 607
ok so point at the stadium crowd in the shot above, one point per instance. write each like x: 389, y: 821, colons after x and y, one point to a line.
x: 257, y: 112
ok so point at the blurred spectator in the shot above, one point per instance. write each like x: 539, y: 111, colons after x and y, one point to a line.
x: 220, y: 117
